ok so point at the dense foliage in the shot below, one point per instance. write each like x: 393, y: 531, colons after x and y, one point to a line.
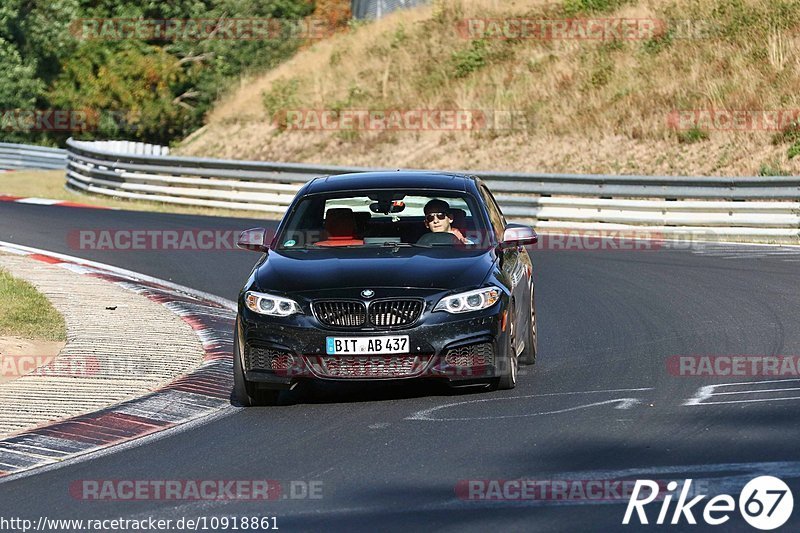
x: 128, y: 85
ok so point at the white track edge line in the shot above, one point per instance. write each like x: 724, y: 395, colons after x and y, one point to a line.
x: 140, y: 441
x: 229, y: 304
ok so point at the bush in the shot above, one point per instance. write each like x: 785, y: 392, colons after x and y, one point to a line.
x: 152, y: 91
x: 790, y: 134
x: 280, y: 98
x: 772, y: 169
x: 335, y: 13
x: 794, y: 150
x: 658, y: 43
x: 135, y: 90
x: 693, y: 135
x: 19, y: 88
x: 575, y: 7
x: 465, y: 62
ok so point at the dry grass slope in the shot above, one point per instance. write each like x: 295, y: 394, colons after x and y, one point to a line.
x: 591, y: 105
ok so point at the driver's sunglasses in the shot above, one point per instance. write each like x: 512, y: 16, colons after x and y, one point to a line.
x: 440, y: 216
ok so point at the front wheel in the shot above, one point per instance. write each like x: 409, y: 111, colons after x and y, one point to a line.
x: 528, y: 355
x: 508, y: 378
x: 508, y: 374
x: 248, y: 394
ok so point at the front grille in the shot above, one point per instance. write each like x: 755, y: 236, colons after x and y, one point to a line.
x: 341, y: 313
x: 392, y: 313
x: 381, y: 313
x: 374, y: 366
x: 260, y: 358
x: 470, y: 356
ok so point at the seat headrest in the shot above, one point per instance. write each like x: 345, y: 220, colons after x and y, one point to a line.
x: 339, y: 222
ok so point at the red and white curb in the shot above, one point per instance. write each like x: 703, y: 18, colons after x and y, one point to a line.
x: 47, y: 201
x: 190, y: 397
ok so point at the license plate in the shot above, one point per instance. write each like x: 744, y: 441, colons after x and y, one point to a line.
x: 366, y: 345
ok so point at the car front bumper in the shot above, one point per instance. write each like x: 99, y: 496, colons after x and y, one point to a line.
x: 460, y: 349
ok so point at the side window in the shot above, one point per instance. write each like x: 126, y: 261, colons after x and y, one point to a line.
x: 495, y: 215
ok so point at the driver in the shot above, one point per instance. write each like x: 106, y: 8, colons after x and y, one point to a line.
x: 439, y: 219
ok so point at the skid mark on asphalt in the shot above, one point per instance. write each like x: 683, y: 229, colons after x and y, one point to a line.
x: 732, y: 393
x: 621, y: 403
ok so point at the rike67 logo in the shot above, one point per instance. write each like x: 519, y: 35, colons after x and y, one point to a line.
x: 765, y: 503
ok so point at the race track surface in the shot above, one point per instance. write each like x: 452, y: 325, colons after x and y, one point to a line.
x: 600, y: 403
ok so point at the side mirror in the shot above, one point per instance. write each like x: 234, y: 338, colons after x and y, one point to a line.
x: 518, y: 235
x: 253, y: 240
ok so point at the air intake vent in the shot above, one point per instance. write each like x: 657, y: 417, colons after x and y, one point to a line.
x: 388, y: 314
x: 470, y: 356
x: 260, y: 358
x: 394, y: 313
x: 341, y: 313
x: 374, y: 366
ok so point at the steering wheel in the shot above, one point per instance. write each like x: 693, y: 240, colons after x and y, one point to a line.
x: 441, y: 238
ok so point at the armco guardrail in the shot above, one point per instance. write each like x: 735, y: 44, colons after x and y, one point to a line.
x: 17, y: 156
x: 716, y: 207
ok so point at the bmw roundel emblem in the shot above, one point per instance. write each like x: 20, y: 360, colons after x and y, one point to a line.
x: 367, y: 293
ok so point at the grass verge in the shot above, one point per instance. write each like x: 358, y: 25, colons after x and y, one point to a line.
x: 26, y: 313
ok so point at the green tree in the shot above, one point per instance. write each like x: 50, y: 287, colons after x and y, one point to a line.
x: 157, y: 91
x: 19, y: 89
x: 130, y: 91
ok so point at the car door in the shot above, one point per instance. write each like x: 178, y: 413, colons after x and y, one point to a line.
x: 514, y: 262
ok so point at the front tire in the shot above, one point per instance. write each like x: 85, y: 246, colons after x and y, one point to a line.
x: 528, y: 355
x: 508, y: 379
x: 248, y: 394
x: 508, y: 375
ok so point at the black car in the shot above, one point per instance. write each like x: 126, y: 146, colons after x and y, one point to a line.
x: 386, y: 276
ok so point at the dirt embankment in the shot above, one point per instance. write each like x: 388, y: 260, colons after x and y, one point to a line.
x: 651, y: 87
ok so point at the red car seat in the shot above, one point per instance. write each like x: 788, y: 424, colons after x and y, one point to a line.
x: 340, y: 225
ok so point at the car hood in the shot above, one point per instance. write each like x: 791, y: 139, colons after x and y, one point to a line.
x: 425, y: 268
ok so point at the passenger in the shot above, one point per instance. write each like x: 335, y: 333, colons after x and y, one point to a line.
x: 439, y: 219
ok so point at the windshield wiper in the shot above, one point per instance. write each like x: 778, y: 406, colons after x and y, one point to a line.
x: 390, y: 244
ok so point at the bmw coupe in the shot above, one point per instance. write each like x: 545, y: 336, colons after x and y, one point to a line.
x: 386, y: 276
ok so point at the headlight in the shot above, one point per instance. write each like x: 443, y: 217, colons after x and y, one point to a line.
x: 469, y: 301
x: 267, y: 304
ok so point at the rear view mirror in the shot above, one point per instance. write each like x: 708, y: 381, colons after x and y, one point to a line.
x: 253, y: 239
x: 395, y: 206
x: 517, y: 235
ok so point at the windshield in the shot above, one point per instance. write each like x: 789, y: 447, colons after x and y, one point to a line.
x: 381, y: 218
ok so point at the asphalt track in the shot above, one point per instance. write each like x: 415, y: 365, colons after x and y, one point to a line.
x: 390, y: 457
